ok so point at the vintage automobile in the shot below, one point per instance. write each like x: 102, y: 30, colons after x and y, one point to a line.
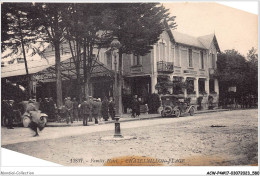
x: 21, y: 117
x: 174, y: 105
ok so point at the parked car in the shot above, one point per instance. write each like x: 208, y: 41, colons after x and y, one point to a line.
x: 174, y: 105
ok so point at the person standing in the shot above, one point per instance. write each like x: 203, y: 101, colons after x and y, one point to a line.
x: 112, y: 108
x: 44, y: 106
x: 69, y: 108
x: 8, y: 113
x: 99, y: 109
x: 86, y: 108
x: 51, y: 108
x: 95, y: 110
x: 134, y: 106
x: 75, y: 109
x: 104, y: 109
x: 138, y: 103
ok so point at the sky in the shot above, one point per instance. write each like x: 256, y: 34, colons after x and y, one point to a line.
x: 234, y: 29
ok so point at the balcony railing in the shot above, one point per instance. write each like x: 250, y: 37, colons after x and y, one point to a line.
x: 166, y: 67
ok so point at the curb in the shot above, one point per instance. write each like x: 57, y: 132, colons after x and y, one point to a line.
x: 130, y: 119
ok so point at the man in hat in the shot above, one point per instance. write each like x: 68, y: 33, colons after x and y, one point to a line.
x: 95, y: 110
x: 86, y: 108
x: 8, y: 113
x: 69, y: 108
x: 30, y: 106
x: 111, y: 108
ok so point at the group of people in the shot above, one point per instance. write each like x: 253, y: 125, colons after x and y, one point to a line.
x: 90, y: 108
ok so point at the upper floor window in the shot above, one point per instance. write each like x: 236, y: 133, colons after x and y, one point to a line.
x: 137, y: 60
x: 190, y: 58
x: 213, y: 60
x: 162, y: 51
x: 108, y: 56
x: 201, y: 60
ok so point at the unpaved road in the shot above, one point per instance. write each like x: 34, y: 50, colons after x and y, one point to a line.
x: 225, y: 138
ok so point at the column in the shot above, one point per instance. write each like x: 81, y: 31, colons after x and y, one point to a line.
x: 185, y: 90
x: 153, y: 83
x: 196, y: 86
x: 171, y: 80
x: 207, y: 86
x: 216, y: 88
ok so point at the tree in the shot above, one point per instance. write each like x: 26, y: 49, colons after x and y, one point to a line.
x: 138, y: 27
x: 252, y: 72
x: 47, y: 18
x: 234, y: 70
x: 17, y: 32
x: 87, y: 30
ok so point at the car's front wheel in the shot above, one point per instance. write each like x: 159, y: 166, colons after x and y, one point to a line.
x: 192, y: 110
x: 177, y: 113
x: 4, y: 121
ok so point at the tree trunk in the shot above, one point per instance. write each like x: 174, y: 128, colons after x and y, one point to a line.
x: 86, y: 80
x: 29, y: 90
x: 58, y: 74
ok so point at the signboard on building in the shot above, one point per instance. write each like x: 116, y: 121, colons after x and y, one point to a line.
x: 136, y: 70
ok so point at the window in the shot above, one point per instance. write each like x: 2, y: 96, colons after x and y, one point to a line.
x: 109, y: 59
x: 176, y: 59
x: 190, y: 58
x: 202, y: 86
x: 162, y: 51
x: 211, y: 86
x: 213, y: 60
x: 190, y: 85
x: 201, y: 60
x: 137, y: 60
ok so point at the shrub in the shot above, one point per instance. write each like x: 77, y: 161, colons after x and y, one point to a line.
x: 154, y: 103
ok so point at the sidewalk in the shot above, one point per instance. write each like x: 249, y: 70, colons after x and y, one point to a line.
x: 124, y: 118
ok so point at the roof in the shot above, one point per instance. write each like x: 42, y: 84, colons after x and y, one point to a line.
x: 44, y: 69
x: 187, y: 39
x: 203, y: 42
x: 34, y: 66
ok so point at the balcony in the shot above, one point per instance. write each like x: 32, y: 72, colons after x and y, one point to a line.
x: 165, y: 67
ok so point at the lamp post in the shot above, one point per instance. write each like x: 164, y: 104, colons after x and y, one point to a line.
x: 115, y: 45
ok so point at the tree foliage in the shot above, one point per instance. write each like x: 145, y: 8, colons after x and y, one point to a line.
x: 233, y: 69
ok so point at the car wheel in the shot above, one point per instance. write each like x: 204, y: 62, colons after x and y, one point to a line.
x: 167, y: 111
x: 192, y: 111
x: 4, y: 121
x: 177, y: 113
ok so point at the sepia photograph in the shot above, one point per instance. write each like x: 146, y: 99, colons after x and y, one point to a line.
x: 130, y: 84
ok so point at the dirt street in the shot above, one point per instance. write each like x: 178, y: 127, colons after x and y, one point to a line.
x: 225, y: 138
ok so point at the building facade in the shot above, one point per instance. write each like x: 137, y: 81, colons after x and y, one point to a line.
x: 178, y: 64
